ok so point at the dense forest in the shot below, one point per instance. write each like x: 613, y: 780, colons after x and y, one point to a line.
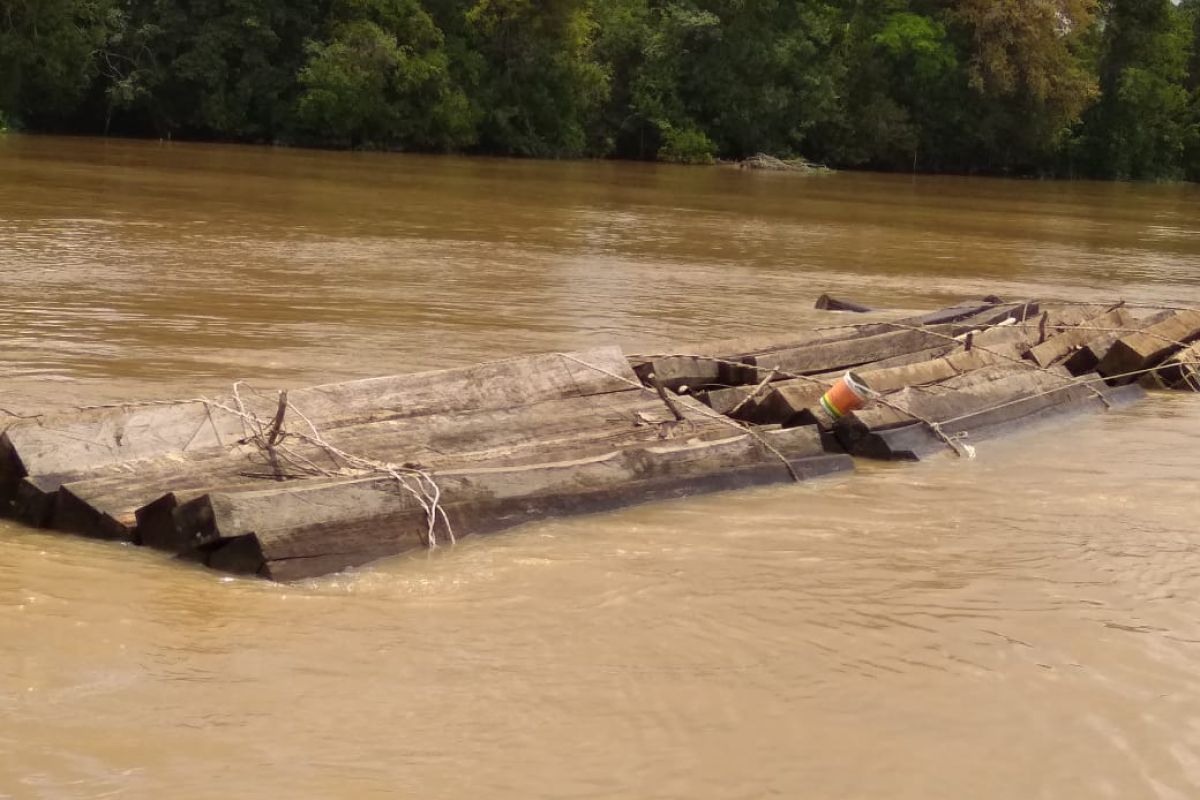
x: 1101, y: 88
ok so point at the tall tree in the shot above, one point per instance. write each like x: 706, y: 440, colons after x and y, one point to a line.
x: 540, y: 87
x: 212, y: 68
x: 1031, y: 82
x: 47, y: 50
x: 1145, y: 122
x: 902, y: 88
x: 382, y: 77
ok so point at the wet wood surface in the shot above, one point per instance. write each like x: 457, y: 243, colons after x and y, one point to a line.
x: 317, y: 479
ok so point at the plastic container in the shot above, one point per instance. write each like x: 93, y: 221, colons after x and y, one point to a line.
x: 847, y: 395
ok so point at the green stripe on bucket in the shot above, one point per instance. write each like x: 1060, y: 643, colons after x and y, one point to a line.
x: 828, y: 406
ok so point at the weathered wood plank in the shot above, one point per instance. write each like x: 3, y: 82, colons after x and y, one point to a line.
x: 991, y: 398
x: 1135, y: 352
x: 1058, y: 347
x: 792, y: 397
x: 940, y: 369
x: 796, y: 402
x: 917, y: 441
x: 1180, y: 372
x: 677, y: 372
x: 100, y: 441
x: 955, y: 313
x: 1088, y: 357
x: 1019, y: 311
x: 303, y: 532
x: 106, y: 505
x: 853, y: 352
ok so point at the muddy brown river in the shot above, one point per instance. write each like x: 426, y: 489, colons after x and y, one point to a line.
x: 1023, y: 625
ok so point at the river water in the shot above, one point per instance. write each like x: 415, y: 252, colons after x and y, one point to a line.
x: 1024, y: 625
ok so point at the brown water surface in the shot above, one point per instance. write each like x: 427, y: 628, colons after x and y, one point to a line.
x: 1024, y: 625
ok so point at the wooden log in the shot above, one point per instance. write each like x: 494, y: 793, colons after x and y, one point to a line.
x: 940, y: 369
x: 1020, y: 311
x: 828, y: 302
x: 980, y: 404
x: 851, y: 353
x: 1088, y: 357
x: 1058, y: 347
x: 917, y: 441
x: 954, y: 313
x: 724, y: 400
x: 698, y: 374
x: 1180, y: 372
x: 287, y: 534
x: 763, y: 345
x: 796, y: 402
x: 1069, y: 315
x: 105, y: 506
x: 1136, y: 352
x: 66, y: 447
x: 700, y: 371
x: 676, y: 372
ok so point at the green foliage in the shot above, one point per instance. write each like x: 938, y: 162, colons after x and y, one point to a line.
x: 687, y: 146
x: 1191, y: 159
x: 211, y: 68
x: 382, y: 78
x: 540, y: 88
x: 1030, y: 81
x: 1097, y: 87
x: 1146, y: 122
x: 46, y: 61
x: 906, y: 89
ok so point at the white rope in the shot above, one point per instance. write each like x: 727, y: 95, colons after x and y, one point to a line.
x: 705, y: 412
x: 412, y: 479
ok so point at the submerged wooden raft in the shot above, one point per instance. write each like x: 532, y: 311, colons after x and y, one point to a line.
x: 311, y: 481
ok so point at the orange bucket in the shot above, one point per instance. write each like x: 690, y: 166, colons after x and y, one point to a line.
x: 847, y: 395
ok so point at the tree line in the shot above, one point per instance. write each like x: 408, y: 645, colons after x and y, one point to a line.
x: 1098, y: 88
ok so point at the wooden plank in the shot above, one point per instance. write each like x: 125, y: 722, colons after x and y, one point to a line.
x: 1149, y: 347
x: 793, y: 401
x: 106, y: 505
x: 1180, y: 372
x: 796, y: 402
x: 940, y: 369
x: 1058, y: 347
x: 288, y: 534
x: 677, y: 372
x: 917, y: 441
x: 1019, y: 311
x: 726, y: 399
x: 955, y: 313
x: 787, y: 404
x: 850, y: 353
x: 994, y: 397
x: 1088, y: 357
x: 74, y: 445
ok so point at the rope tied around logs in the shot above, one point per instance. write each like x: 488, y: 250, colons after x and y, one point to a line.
x: 1191, y: 377
x: 952, y: 442
x: 271, y: 438
x: 706, y: 412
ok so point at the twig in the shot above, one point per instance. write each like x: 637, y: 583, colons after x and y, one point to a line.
x: 758, y: 390
x: 662, y: 395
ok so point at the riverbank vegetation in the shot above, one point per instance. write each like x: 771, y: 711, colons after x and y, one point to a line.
x: 1098, y: 88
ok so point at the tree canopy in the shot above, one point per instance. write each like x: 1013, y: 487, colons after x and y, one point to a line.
x: 1104, y: 88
